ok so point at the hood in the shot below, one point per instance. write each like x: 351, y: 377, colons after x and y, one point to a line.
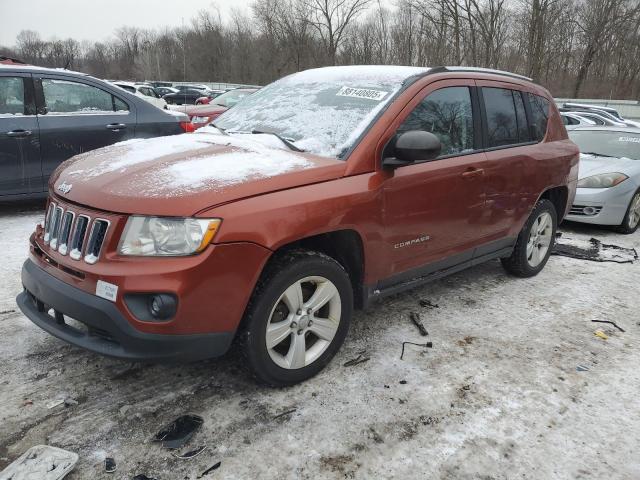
x: 593, y: 165
x: 184, y: 174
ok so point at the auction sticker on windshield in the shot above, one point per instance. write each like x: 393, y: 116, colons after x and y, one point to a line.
x: 362, y: 93
x: 107, y: 290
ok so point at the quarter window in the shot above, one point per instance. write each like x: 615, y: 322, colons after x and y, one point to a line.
x: 64, y: 96
x: 12, y: 96
x: 540, y: 116
x: 502, y: 123
x: 446, y: 113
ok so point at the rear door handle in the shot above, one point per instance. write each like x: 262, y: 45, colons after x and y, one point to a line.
x: 473, y: 173
x: 19, y: 133
x: 116, y: 126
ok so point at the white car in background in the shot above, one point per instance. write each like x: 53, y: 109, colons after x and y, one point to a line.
x: 608, y: 190
x: 143, y: 91
x: 573, y: 120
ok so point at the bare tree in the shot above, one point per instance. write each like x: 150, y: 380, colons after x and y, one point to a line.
x: 331, y: 20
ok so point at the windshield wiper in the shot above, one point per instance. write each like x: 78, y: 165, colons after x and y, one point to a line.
x: 595, y: 154
x: 220, y: 129
x: 279, y: 137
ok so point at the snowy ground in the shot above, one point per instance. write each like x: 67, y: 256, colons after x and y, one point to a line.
x: 498, y: 396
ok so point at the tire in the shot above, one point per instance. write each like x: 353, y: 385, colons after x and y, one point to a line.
x: 273, y: 305
x: 532, y: 250
x: 631, y: 219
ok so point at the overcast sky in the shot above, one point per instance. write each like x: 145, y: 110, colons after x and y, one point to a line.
x: 97, y: 19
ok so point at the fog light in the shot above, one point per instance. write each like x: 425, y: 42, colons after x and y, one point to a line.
x: 589, y: 211
x: 162, y: 306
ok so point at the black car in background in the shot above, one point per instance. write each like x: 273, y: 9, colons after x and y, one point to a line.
x: 48, y: 116
x: 188, y: 96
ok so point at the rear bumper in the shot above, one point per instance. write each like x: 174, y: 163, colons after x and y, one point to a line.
x: 102, y: 327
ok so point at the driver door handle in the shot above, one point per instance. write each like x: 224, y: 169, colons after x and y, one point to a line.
x: 473, y: 173
x: 116, y: 126
x: 19, y: 133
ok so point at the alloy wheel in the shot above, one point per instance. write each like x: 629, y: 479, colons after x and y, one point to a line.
x: 303, y: 322
x: 634, y: 211
x: 539, y: 239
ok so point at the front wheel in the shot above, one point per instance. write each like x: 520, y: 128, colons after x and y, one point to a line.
x: 298, y: 317
x: 535, y: 242
x: 631, y: 219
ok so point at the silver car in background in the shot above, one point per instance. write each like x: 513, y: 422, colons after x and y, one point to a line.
x: 609, y: 177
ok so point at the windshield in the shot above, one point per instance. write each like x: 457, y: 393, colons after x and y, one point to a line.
x: 322, y: 111
x: 229, y: 99
x: 608, y: 143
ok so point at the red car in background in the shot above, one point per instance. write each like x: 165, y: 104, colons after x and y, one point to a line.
x: 201, y: 115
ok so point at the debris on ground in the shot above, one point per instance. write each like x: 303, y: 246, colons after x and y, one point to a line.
x: 428, y: 303
x: 210, y: 469
x: 582, y: 368
x: 142, y: 476
x: 70, y: 402
x: 109, y: 465
x: 361, y: 358
x: 594, y: 250
x: 403, y: 382
x: 178, y: 432
x: 191, y: 453
x: 415, y: 318
x: 55, y: 403
x: 601, y: 334
x: 27, y: 402
x: 610, y: 323
x: 4, y: 312
x: 288, y: 412
x: 426, y: 345
x: 41, y: 462
x: 468, y: 340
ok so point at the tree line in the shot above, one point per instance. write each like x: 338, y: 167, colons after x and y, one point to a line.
x: 576, y: 48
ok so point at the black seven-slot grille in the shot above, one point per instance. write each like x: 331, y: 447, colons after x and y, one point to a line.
x: 67, y: 232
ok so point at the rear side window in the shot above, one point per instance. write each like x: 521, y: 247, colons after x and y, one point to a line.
x: 506, y: 117
x: 447, y: 114
x: 12, y: 96
x: 65, y: 96
x: 539, y: 116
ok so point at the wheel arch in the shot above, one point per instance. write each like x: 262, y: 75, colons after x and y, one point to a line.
x: 345, y: 246
x: 559, y: 197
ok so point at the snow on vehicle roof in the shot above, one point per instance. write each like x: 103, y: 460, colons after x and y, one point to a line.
x: 367, y: 73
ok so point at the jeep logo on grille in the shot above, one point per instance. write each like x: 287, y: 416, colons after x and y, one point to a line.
x: 65, y: 187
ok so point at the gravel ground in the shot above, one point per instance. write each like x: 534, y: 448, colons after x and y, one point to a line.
x: 498, y: 396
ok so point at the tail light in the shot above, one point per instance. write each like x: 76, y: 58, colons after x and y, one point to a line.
x: 188, y: 127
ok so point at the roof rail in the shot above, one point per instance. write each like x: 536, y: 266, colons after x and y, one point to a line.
x: 480, y: 70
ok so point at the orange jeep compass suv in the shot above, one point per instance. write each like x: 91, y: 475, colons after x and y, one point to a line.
x: 319, y: 193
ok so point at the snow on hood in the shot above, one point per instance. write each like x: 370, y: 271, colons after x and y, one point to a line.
x: 194, y: 170
x: 593, y: 165
x: 154, y: 175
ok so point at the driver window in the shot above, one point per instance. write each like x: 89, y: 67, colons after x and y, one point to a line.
x: 447, y: 114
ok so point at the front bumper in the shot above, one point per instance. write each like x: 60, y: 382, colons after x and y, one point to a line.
x: 102, y: 327
x: 611, y: 202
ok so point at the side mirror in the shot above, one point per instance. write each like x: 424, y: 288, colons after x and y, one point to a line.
x: 414, y: 146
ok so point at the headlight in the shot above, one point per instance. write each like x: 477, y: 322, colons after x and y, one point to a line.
x: 167, y: 236
x: 603, y: 180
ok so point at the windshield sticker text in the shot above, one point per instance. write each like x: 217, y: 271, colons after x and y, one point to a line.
x: 629, y: 139
x: 376, y: 95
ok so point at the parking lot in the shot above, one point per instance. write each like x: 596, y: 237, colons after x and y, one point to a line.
x: 516, y: 386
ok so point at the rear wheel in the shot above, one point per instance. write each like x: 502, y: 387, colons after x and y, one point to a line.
x: 631, y: 219
x: 535, y: 242
x: 298, y: 317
